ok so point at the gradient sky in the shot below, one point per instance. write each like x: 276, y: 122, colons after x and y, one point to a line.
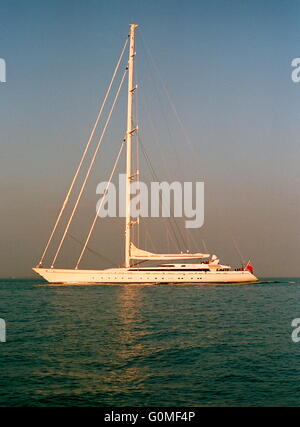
x: 226, y: 64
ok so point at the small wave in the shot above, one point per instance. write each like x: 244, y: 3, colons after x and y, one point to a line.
x: 261, y: 282
x: 281, y: 282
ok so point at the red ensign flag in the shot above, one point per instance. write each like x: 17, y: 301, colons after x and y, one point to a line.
x: 249, y: 267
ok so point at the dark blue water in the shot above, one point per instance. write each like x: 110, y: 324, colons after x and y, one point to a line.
x: 149, y: 345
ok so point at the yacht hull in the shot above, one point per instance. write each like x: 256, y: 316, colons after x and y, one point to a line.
x: 125, y: 276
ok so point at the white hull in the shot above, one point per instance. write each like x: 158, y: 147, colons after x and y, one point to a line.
x: 123, y: 275
x: 206, y: 272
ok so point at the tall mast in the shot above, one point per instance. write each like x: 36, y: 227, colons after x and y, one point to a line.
x: 130, y: 131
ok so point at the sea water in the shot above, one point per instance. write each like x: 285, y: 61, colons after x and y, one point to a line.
x: 160, y: 345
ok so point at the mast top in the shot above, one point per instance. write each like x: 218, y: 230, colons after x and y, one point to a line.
x: 132, y: 29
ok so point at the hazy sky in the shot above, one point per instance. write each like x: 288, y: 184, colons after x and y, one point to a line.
x: 227, y: 66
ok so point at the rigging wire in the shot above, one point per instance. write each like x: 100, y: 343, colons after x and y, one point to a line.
x: 175, y: 111
x: 137, y: 156
x: 89, y: 169
x: 151, y: 61
x: 204, y: 246
x: 158, y: 96
x: 100, y: 205
x: 164, y: 163
x: 183, y: 129
x: 138, y: 143
x: 83, y: 155
x: 92, y: 251
x: 242, y: 260
x: 184, y: 132
x: 156, y: 179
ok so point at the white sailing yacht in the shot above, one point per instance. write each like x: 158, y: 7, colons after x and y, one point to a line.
x: 205, y: 269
